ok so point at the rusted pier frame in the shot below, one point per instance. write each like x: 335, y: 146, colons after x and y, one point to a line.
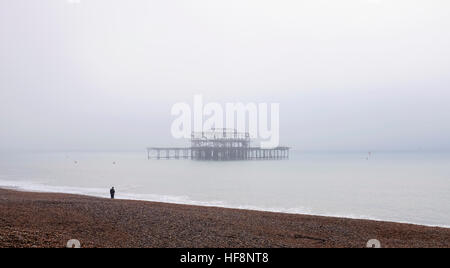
x: 278, y: 153
x: 169, y: 153
x: 211, y: 153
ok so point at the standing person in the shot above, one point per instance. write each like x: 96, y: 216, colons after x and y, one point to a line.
x: 112, y: 192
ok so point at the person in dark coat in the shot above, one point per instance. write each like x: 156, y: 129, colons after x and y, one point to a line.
x: 112, y: 192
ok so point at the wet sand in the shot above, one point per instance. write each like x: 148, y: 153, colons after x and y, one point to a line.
x: 50, y: 220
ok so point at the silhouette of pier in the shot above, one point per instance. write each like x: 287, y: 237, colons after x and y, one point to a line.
x: 219, y: 145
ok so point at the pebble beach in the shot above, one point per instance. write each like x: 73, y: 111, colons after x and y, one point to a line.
x: 44, y: 220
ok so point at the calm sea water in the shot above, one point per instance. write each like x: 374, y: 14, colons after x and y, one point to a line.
x: 401, y: 187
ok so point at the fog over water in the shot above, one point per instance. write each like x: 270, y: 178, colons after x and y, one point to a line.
x: 102, y: 75
x: 87, y: 85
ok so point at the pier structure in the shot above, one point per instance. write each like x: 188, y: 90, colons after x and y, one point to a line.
x: 219, y: 145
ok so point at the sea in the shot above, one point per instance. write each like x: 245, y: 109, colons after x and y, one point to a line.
x: 389, y: 186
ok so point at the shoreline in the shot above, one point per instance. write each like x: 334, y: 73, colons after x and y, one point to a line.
x: 217, y: 205
x: 33, y: 219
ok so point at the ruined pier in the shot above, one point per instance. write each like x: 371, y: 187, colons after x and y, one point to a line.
x: 219, y: 145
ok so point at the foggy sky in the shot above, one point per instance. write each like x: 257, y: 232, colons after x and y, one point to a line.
x: 104, y: 74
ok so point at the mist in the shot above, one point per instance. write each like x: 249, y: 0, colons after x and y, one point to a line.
x: 102, y: 75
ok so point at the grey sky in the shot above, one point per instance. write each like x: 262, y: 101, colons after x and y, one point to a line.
x: 103, y: 74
